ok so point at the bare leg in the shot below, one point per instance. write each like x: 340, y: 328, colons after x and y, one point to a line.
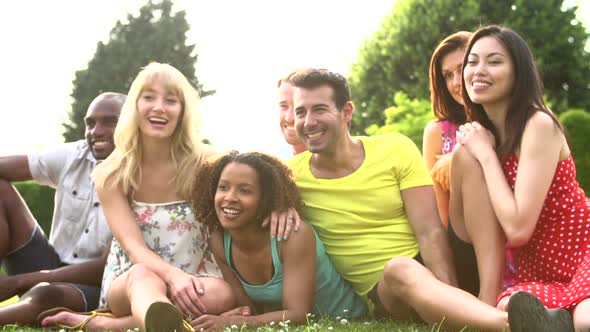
x: 16, y: 221
x: 40, y: 298
x: 405, y: 282
x: 135, y: 290
x: 582, y: 316
x: 474, y: 220
x: 132, y: 293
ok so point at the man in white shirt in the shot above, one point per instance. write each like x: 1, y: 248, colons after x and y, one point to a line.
x: 66, y: 269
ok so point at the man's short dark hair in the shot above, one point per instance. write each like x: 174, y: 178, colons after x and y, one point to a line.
x: 313, y: 78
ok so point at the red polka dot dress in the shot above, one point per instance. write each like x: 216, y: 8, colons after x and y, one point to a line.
x: 555, y: 264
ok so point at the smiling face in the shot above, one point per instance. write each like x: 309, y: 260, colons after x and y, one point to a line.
x: 451, y: 65
x: 287, y: 116
x: 101, y: 121
x: 159, y: 111
x: 319, y: 123
x: 489, y: 73
x: 237, y: 196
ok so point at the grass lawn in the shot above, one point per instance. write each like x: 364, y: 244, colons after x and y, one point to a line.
x: 322, y: 325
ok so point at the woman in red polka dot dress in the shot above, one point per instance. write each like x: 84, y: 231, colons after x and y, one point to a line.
x: 515, y: 147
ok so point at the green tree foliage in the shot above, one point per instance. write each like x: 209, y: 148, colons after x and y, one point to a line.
x: 409, y: 117
x: 397, y: 56
x: 577, y: 123
x: 156, y: 34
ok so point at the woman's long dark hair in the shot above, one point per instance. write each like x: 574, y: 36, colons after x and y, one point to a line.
x: 527, y: 92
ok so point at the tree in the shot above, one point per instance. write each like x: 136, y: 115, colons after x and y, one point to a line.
x: 409, y: 117
x: 397, y: 56
x: 156, y: 34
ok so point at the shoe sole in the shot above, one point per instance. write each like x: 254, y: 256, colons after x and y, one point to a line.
x: 526, y: 313
x: 163, y: 317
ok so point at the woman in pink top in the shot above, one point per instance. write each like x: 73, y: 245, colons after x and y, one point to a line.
x: 447, y: 105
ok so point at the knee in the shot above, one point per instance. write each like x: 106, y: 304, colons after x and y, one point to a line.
x: 462, y: 159
x: 7, y: 191
x: 219, y: 296
x: 44, y: 296
x: 140, y: 273
x: 401, y: 274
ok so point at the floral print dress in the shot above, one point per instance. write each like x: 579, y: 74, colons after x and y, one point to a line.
x: 171, y: 231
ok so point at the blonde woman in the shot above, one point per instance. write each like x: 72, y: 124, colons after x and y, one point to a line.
x: 159, y: 254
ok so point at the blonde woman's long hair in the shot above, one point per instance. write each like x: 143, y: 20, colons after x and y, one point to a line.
x: 122, y: 168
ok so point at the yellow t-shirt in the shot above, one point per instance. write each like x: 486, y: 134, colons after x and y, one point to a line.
x: 361, y: 217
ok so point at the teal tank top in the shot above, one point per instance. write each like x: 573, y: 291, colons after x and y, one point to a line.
x: 333, y: 295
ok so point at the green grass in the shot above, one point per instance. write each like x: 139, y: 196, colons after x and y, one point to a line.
x: 324, y: 325
x: 312, y: 326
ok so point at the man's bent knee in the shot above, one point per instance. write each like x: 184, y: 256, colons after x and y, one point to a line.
x: 401, y: 273
x: 6, y: 188
x: 45, y: 296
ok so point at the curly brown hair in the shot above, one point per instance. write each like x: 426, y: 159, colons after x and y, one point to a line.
x: 277, y: 186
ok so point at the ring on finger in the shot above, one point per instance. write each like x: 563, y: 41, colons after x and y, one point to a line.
x: 291, y: 218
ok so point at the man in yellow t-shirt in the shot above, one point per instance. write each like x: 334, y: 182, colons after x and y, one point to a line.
x: 372, y: 203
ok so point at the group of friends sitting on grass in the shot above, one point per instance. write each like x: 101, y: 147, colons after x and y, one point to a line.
x: 152, y: 229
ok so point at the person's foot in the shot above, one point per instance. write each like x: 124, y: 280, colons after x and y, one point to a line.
x: 76, y: 320
x: 526, y: 313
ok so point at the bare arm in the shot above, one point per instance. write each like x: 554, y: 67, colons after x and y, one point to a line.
x: 218, y: 250
x: 299, y: 267
x: 432, y: 147
x: 420, y: 206
x: 124, y: 228
x: 183, y: 287
x: 15, y: 168
x: 88, y: 273
x: 540, y: 149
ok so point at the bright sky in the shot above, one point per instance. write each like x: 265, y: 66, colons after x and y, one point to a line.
x: 243, y: 48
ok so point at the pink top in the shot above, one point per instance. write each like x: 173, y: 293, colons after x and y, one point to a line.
x: 449, y: 139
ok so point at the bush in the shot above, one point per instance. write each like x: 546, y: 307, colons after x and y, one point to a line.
x: 408, y: 117
x: 577, y: 124
x: 40, y: 201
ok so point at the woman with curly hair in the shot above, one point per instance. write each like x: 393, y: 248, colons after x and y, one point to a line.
x: 272, y: 280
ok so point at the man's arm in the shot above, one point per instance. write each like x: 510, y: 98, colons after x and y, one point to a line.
x: 15, y: 168
x: 88, y: 273
x: 420, y: 205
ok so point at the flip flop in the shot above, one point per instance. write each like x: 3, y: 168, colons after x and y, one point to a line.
x: 165, y: 317
x: 527, y: 313
x: 56, y: 310
x: 80, y: 326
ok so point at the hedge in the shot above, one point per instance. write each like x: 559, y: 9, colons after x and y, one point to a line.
x: 577, y: 123
x: 40, y: 201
